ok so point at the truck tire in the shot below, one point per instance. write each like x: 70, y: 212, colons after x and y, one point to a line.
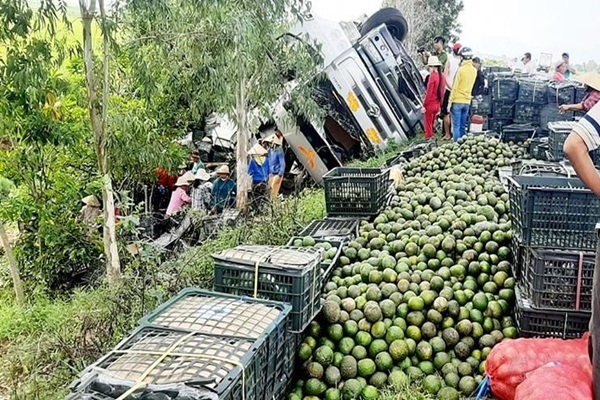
x: 392, y: 18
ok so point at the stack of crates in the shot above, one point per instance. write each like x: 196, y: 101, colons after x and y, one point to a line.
x: 553, y: 220
x: 200, y: 345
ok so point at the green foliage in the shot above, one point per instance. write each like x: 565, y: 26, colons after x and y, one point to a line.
x: 195, y: 58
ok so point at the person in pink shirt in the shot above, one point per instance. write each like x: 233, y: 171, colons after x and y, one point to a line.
x: 591, y: 80
x: 561, y: 70
x: 179, y: 197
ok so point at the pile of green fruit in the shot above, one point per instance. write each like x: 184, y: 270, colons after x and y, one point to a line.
x: 425, y: 292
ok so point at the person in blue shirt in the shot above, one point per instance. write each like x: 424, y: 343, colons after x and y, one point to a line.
x: 258, y: 169
x: 276, y: 160
x: 223, y: 191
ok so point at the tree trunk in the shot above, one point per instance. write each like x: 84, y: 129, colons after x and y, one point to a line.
x: 244, y: 183
x: 12, y: 265
x: 98, y: 117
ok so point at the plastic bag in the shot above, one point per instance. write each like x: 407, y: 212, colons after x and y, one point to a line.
x: 556, y: 381
x: 510, y: 361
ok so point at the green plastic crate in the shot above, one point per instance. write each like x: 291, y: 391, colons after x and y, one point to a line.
x: 264, y: 321
x: 287, y: 274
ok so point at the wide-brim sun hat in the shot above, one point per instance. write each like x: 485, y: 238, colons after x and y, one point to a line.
x: 91, y: 201
x: 270, y: 138
x: 223, y: 170
x: 257, y: 150
x: 433, y: 61
x: 202, y: 175
x: 182, y: 181
x: 189, y: 176
x: 591, y: 79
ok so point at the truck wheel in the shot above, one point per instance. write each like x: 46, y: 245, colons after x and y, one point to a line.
x: 392, y: 18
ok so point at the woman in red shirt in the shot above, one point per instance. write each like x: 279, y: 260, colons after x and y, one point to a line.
x: 436, y: 86
x: 591, y: 80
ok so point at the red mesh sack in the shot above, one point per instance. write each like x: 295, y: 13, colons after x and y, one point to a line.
x: 556, y: 381
x: 510, y: 361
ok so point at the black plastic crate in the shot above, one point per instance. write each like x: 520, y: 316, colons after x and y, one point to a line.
x: 334, y: 228
x: 161, y: 358
x: 558, y: 279
x: 537, y: 148
x: 559, y: 131
x: 505, y: 89
x: 327, y: 266
x: 503, y: 110
x: 224, y: 315
x: 527, y: 113
x: 553, y: 212
x: 356, y: 191
x: 287, y: 274
x: 540, y: 168
x: 561, y: 93
x: 517, y: 133
x: 550, y: 113
x: 413, y: 151
x: 533, y: 91
x: 549, y: 323
x: 518, y: 259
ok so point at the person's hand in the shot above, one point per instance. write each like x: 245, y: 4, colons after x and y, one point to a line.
x: 563, y: 108
x: 422, y: 110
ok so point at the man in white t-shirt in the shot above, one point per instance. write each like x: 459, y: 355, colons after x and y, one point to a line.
x: 450, y: 70
x: 528, y: 64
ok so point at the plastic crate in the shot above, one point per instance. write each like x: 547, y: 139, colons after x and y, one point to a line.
x: 327, y: 268
x: 162, y: 358
x: 518, y: 260
x: 356, y: 191
x: 533, y: 91
x: 503, y: 110
x: 557, y: 137
x: 334, y: 228
x: 549, y: 323
x: 225, y: 315
x: 93, y: 384
x: 527, y: 113
x: 537, y: 148
x: 517, y: 133
x: 552, y: 212
x: 541, y: 168
x: 288, y: 274
x: 551, y: 279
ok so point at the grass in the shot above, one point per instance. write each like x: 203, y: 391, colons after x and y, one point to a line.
x: 45, y: 345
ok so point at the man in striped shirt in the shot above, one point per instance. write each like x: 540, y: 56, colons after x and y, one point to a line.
x: 584, y: 138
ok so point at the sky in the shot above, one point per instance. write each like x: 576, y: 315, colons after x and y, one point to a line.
x: 508, y: 27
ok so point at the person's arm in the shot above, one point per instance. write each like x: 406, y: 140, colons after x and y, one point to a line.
x: 455, y: 86
x: 431, y: 88
x: 447, y: 74
x: 186, y: 199
x: 570, y: 107
x: 577, y: 152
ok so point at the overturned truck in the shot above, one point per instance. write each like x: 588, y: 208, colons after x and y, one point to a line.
x: 372, y: 94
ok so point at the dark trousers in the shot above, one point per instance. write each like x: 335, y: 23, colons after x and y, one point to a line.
x: 258, y: 195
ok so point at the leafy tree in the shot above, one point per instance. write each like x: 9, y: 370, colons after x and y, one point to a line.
x: 99, y: 119
x: 216, y: 56
x: 427, y: 19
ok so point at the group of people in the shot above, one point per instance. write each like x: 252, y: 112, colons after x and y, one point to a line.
x: 196, y: 190
x: 452, y: 83
x: 193, y: 186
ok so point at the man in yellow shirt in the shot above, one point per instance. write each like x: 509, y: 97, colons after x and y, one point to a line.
x: 460, y: 97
